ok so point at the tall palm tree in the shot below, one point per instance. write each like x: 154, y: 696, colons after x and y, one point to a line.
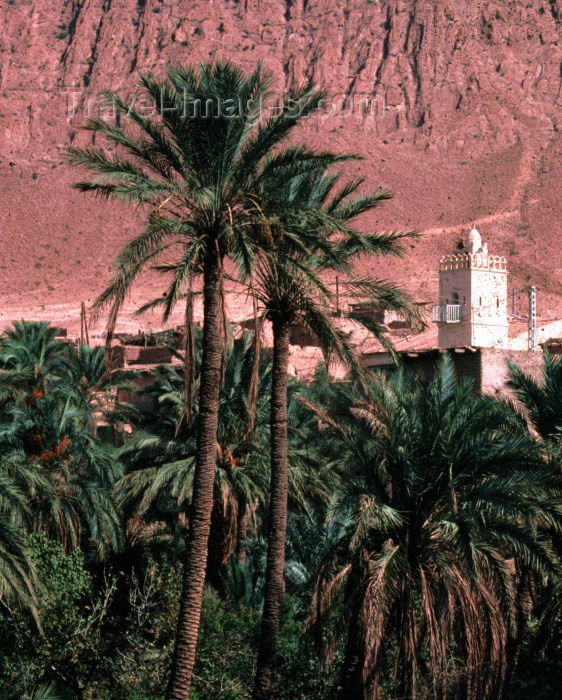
x: 160, y: 460
x: 313, y: 233
x: 195, y: 168
x: 442, y: 496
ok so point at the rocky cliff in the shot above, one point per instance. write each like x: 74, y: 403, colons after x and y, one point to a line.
x: 463, y: 123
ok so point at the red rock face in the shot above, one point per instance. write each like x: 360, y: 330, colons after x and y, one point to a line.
x: 465, y: 98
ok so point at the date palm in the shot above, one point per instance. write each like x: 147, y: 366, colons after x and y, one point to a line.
x: 17, y: 572
x: 310, y: 220
x: 160, y: 460
x: 44, y: 692
x: 33, y: 364
x: 33, y: 351
x: 71, y: 495
x: 65, y: 474
x: 442, y: 497
x: 541, y: 402
x: 87, y: 366
x: 195, y: 167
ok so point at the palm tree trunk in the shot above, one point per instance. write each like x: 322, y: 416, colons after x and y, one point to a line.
x: 523, y: 606
x: 351, y: 680
x: 242, y: 529
x: 218, y: 549
x: 202, y: 502
x: 274, y: 580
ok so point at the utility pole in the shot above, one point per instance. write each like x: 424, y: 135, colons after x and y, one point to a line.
x: 84, y: 335
x: 532, y: 319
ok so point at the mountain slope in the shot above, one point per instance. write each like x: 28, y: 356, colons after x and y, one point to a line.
x: 464, y: 124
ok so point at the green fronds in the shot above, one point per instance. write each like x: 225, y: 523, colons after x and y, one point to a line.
x: 542, y: 401
x: 61, y: 475
x: 444, y: 499
x: 120, y: 178
x: 17, y: 573
x: 160, y: 463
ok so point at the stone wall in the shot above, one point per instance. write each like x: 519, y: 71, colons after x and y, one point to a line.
x: 455, y: 288
x: 467, y: 364
x: 489, y: 308
x: 486, y: 367
x: 132, y: 395
x: 126, y: 355
x: 494, y: 368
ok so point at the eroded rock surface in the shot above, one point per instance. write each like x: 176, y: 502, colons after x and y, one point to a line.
x: 464, y: 125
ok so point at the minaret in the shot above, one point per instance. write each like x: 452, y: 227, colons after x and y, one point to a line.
x: 472, y: 309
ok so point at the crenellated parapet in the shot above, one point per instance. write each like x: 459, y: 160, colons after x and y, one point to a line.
x: 473, y: 261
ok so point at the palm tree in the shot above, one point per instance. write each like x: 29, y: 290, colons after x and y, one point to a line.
x: 44, y: 692
x: 70, y: 495
x: 195, y: 169
x: 313, y: 233
x: 87, y: 366
x: 31, y: 350
x: 17, y: 572
x: 442, y: 495
x: 64, y: 474
x: 541, y: 403
x: 160, y: 461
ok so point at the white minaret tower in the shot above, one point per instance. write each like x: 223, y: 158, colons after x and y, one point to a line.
x: 472, y: 309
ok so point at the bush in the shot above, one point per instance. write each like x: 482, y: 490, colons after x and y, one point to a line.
x: 102, y: 637
x: 31, y: 657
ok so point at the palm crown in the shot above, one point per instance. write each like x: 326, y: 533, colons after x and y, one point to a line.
x: 439, y: 493
x: 197, y: 176
x: 542, y: 401
x: 64, y: 472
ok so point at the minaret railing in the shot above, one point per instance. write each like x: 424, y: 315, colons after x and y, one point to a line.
x: 471, y: 261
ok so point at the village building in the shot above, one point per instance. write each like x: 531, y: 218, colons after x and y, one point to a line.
x: 472, y: 324
x: 470, y: 321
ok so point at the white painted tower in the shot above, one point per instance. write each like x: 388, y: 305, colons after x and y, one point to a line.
x: 472, y: 309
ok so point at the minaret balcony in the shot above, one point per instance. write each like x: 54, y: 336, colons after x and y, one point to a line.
x: 447, y: 313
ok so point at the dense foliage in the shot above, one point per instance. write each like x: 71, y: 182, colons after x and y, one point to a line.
x: 423, y: 541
